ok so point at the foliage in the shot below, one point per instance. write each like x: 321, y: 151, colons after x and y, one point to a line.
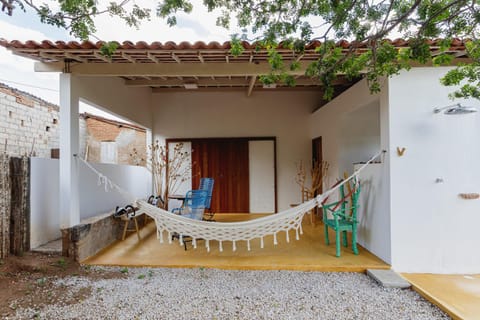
x: 364, y: 24
x: 466, y: 75
x: 169, y: 169
x: 77, y: 16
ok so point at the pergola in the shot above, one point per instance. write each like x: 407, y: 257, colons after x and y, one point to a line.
x: 171, y: 66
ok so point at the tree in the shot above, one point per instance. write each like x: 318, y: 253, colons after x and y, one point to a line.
x: 294, y: 23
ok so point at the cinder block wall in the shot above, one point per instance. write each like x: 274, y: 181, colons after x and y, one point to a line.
x: 28, y: 125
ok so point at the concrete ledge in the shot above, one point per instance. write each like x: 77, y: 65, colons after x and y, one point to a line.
x: 91, y: 236
x: 388, y: 278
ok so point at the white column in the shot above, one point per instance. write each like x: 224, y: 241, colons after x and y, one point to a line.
x: 69, y: 145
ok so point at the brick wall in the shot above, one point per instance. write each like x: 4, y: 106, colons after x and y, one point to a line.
x: 28, y: 125
x: 127, y: 138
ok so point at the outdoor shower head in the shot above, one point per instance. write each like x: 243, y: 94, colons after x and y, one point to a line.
x: 456, y: 109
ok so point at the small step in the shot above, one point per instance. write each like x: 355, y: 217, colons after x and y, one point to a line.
x: 54, y: 246
x: 388, y: 278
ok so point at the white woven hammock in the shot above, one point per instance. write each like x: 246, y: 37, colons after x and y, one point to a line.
x: 168, y: 223
x: 227, y: 231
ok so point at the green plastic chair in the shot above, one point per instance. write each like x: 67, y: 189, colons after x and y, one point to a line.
x: 342, y: 217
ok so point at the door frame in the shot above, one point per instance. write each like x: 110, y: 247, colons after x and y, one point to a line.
x: 259, y: 138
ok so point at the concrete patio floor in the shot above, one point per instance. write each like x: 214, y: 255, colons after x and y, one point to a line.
x: 457, y: 295
x: 307, y: 254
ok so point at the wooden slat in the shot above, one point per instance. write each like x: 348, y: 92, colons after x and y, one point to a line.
x: 5, y: 203
x: 20, y: 205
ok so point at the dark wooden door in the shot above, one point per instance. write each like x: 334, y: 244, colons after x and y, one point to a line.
x: 317, y: 152
x: 226, y: 161
x: 317, y: 158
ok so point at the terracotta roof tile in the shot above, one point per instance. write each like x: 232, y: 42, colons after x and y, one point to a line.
x: 184, y: 51
x: 184, y: 45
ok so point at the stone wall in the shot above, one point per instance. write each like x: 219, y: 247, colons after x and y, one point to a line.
x: 90, y: 236
x: 28, y: 125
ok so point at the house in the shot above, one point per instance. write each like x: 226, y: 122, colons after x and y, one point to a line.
x: 412, y: 218
x: 30, y: 125
x: 111, y: 141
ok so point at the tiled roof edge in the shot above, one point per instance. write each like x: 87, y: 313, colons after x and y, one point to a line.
x: 184, y: 45
x: 87, y: 115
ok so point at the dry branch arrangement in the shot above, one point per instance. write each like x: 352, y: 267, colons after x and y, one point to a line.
x: 169, y: 170
x: 316, y: 176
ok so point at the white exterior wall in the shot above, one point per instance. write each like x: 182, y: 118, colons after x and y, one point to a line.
x: 354, y: 127
x: 261, y: 169
x: 44, y: 191
x: 132, y: 104
x: 433, y: 229
x: 44, y: 194
x: 111, y: 95
x: 233, y: 114
x: 94, y: 199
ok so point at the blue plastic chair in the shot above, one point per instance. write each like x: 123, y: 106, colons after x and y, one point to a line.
x: 207, y: 185
x: 193, y: 207
x: 194, y: 204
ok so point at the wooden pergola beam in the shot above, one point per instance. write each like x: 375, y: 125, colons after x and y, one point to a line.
x: 203, y: 82
x: 102, y: 57
x: 216, y: 82
x: 75, y: 57
x: 165, y: 69
x: 251, y: 85
x: 128, y: 57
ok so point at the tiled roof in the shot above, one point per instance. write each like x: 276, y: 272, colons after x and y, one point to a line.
x: 185, y: 65
x: 199, y: 51
x: 87, y: 115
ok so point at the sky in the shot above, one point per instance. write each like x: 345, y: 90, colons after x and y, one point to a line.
x: 17, y: 71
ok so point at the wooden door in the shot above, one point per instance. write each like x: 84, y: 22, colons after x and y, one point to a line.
x: 317, y: 158
x: 317, y: 153
x: 226, y: 161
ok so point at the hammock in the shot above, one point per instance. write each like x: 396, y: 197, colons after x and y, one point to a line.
x: 168, y: 223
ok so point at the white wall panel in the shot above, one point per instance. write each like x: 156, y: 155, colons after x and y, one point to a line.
x: 433, y: 229
x: 354, y: 127
x: 44, y: 201
x: 279, y: 114
x: 44, y: 194
x: 261, y: 158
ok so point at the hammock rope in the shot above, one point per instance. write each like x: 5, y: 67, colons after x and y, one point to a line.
x: 169, y: 224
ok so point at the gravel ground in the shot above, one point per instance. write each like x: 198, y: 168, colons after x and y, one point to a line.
x: 222, y: 294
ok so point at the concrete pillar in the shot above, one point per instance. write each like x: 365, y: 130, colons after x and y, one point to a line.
x: 69, y: 146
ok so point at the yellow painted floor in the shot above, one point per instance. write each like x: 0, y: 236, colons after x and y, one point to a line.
x: 307, y: 254
x: 457, y: 295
